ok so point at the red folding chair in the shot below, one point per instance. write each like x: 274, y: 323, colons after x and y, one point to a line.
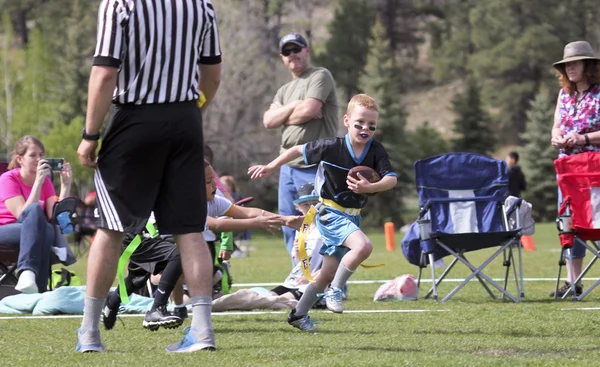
x: 579, y: 212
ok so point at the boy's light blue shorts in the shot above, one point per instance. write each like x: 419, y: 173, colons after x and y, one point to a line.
x: 335, y: 226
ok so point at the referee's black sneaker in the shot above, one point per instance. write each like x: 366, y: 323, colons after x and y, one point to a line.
x: 160, y: 317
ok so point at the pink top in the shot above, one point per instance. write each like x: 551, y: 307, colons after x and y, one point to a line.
x: 12, y: 185
x: 580, y: 117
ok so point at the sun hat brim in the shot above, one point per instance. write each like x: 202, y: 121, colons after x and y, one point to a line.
x: 304, y: 199
x: 560, y: 64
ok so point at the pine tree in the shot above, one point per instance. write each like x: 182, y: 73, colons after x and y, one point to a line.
x: 538, y: 157
x: 383, y: 81
x: 473, y: 124
x: 425, y: 141
x: 35, y: 106
x: 347, y: 48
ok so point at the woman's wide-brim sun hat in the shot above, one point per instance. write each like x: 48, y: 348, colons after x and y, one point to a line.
x: 579, y: 50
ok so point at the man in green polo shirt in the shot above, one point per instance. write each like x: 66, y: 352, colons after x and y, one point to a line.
x: 307, y: 109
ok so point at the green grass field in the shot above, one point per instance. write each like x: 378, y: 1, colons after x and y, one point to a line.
x: 469, y: 330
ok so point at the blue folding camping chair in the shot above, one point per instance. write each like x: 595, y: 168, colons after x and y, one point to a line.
x: 462, y: 198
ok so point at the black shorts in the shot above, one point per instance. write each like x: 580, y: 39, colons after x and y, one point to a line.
x: 153, y: 254
x: 152, y: 159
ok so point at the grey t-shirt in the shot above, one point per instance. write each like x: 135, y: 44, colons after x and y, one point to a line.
x: 314, y: 82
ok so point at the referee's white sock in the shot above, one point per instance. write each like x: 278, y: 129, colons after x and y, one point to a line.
x: 202, y: 327
x: 92, y: 309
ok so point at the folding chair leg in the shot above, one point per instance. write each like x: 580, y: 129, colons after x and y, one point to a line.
x: 514, y: 268
x: 433, y: 281
x: 442, y: 277
x: 422, y: 261
x: 596, y: 252
x: 521, y: 274
x: 507, y: 264
x: 561, y: 263
x: 477, y: 271
x: 573, y: 281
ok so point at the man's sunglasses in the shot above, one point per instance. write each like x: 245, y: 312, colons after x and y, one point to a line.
x: 289, y: 51
x: 360, y: 127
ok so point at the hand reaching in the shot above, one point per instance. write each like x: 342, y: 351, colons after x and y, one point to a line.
x: 259, y: 171
x: 268, y: 223
x: 292, y: 221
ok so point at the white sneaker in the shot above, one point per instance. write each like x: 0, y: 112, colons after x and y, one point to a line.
x: 333, y: 300
x: 26, y: 283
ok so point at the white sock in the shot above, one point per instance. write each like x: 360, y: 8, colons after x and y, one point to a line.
x: 26, y: 283
x: 202, y: 326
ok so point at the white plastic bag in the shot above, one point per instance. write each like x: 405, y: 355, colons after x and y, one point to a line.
x: 403, y: 287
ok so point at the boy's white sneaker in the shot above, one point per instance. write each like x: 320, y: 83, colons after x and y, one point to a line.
x: 333, y: 300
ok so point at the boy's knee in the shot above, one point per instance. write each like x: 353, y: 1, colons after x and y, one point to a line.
x: 366, y: 249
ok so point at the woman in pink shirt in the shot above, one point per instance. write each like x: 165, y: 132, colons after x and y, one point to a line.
x: 27, y: 197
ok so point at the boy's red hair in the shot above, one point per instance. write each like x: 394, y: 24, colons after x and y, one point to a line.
x: 363, y: 100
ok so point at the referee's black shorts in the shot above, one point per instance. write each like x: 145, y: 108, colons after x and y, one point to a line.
x: 152, y: 159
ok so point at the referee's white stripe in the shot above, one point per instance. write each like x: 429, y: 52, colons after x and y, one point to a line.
x: 103, y: 202
x: 108, y: 206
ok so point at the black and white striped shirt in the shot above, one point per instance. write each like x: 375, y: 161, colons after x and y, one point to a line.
x: 157, y: 46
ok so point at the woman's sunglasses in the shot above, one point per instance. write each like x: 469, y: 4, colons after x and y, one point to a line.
x: 360, y: 127
x: 289, y: 51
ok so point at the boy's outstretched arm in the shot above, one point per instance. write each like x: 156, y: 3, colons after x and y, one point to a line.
x: 265, y: 170
x: 268, y: 223
x: 240, y: 212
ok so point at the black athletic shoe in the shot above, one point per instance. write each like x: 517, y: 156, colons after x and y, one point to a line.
x: 110, y: 310
x: 566, y: 288
x: 160, y: 317
x: 181, y: 312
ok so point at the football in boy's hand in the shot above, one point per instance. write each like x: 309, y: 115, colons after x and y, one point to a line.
x: 367, y: 172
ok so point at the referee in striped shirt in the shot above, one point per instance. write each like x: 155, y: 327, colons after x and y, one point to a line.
x: 153, y: 58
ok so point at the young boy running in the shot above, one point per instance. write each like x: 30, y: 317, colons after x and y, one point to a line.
x: 341, y: 199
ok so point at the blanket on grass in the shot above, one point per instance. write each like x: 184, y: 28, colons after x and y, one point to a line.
x: 69, y: 300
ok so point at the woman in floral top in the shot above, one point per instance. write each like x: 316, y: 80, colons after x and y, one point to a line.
x: 577, y: 121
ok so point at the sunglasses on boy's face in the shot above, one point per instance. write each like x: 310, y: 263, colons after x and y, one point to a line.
x: 289, y: 51
x: 360, y: 127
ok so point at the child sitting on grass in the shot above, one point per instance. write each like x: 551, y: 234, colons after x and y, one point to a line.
x: 341, y: 199
x: 296, y: 283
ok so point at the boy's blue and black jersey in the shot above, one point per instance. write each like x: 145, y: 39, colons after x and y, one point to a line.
x: 336, y: 157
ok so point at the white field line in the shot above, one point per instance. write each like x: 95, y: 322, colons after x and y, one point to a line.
x: 581, y: 309
x: 451, y: 280
x: 249, y: 313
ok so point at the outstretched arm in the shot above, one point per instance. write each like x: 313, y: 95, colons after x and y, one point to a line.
x: 263, y: 171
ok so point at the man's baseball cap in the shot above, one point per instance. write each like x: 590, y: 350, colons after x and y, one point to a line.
x: 294, y: 38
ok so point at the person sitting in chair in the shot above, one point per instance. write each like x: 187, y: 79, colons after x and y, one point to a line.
x: 27, y: 198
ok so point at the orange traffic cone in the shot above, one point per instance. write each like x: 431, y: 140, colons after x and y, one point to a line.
x: 388, y: 229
